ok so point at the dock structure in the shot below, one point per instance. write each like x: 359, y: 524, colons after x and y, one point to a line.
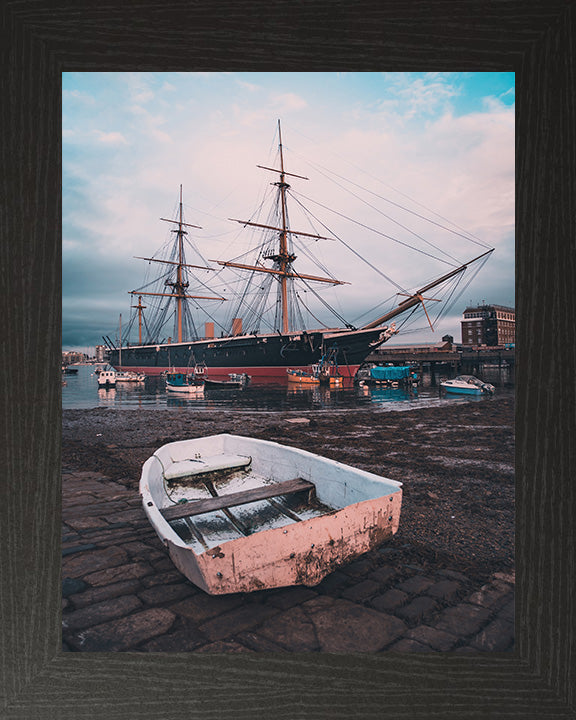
x: 460, y: 358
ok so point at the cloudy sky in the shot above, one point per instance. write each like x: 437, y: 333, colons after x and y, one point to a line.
x: 381, y: 151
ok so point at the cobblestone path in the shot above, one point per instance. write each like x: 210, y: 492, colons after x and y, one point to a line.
x: 121, y: 592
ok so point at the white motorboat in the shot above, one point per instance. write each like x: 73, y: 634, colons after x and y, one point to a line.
x: 467, y: 385
x: 107, y: 378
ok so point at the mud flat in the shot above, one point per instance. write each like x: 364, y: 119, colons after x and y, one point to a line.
x: 444, y: 582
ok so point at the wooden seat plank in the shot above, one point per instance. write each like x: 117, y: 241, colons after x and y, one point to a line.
x: 199, y: 507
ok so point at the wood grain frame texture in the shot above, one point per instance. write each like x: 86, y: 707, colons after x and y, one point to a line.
x: 40, y: 40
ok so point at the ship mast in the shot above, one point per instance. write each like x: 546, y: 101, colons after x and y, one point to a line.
x: 284, y: 258
x: 139, y: 307
x: 179, y: 286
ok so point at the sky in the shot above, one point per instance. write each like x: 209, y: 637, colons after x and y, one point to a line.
x: 380, y: 151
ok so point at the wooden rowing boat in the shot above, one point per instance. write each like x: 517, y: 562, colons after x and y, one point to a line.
x: 239, y: 514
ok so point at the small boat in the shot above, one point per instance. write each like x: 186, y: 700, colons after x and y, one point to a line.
x: 69, y: 370
x: 130, y: 377
x: 179, y: 382
x: 123, y: 376
x: 236, y: 380
x: 325, y: 372
x: 107, y: 378
x: 239, y: 514
x: 467, y: 385
x: 301, y: 377
x: 328, y: 370
x: 334, y: 381
x: 328, y: 376
x: 393, y: 376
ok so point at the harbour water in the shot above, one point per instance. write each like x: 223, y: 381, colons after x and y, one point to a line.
x: 81, y: 391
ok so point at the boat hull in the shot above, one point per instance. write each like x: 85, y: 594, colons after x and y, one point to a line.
x: 467, y: 385
x: 188, y: 389
x: 362, y: 511
x: 129, y: 377
x: 107, y: 379
x: 302, y: 554
x: 302, y: 379
x: 223, y: 385
x: 261, y: 356
x: 462, y: 390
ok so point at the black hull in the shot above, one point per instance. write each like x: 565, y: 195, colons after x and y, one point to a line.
x: 258, y: 355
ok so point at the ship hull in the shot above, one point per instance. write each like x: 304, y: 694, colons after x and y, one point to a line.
x: 263, y: 357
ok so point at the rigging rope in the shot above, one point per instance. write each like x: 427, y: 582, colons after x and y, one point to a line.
x: 399, y: 287
x: 319, y: 297
x: 304, y: 304
x: 388, y: 217
x: 366, y: 227
x: 468, y: 236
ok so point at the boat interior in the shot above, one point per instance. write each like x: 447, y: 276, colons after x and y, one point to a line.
x: 207, y: 509
x: 214, y: 492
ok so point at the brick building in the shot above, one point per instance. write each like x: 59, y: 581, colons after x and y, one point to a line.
x: 489, y: 325
x: 73, y: 356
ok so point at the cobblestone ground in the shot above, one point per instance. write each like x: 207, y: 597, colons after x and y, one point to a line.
x: 121, y: 592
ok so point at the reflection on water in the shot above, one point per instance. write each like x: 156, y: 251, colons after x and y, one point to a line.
x: 82, y: 391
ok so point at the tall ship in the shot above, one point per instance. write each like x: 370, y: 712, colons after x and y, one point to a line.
x: 266, y: 333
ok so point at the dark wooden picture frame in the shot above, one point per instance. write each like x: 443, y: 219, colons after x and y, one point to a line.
x: 39, y: 41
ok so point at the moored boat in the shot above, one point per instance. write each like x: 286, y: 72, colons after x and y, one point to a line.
x: 131, y: 377
x: 235, y: 381
x: 393, y: 376
x: 239, y: 514
x: 325, y: 372
x: 183, y: 383
x: 334, y: 381
x: 467, y: 385
x: 302, y: 377
x: 107, y: 378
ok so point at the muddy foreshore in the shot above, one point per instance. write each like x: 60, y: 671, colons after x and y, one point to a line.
x: 456, y: 463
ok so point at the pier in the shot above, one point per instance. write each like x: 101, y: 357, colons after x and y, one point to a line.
x: 457, y: 359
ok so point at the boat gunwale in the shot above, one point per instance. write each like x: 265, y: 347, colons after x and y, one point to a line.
x: 168, y: 534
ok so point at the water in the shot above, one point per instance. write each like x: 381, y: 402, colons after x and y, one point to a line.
x: 81, y: 391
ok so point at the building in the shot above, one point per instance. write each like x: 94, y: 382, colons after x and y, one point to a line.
x: 424, y: 349
x: 73, y: 357
x: 489, y: 325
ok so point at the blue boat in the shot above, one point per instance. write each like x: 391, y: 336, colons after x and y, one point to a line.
x: 179, y: 382
x: 467, y: 385
x: 393, y: 375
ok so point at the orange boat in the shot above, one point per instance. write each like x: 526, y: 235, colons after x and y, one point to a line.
x: 301, y: 377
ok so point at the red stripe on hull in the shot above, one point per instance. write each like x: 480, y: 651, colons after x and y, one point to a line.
x: 269, y: 374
